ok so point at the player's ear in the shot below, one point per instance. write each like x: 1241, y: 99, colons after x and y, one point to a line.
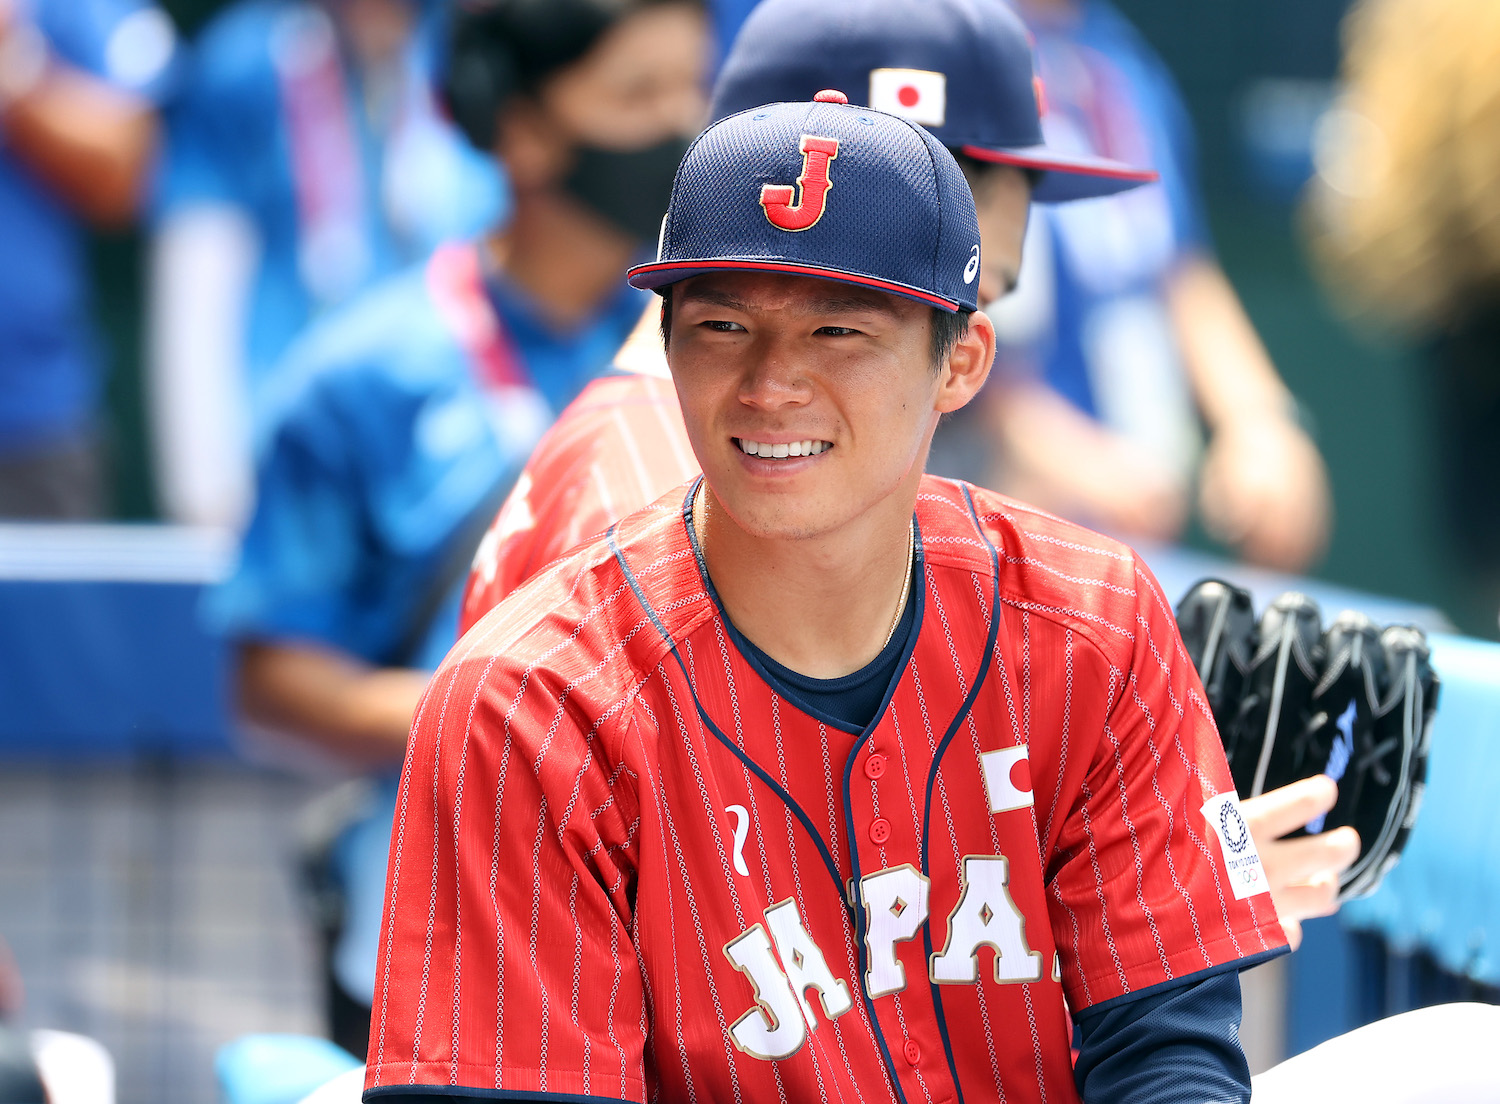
x: 967, y: 364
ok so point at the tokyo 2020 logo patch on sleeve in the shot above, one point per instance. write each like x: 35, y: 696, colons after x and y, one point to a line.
x: 1246, y: 875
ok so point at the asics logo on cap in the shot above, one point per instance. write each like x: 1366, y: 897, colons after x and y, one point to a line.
x: 777, y: 199
x: 916, y: 94
x: 972, y: 268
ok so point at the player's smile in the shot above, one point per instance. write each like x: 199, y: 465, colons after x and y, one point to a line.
x: 781, y: 459
x: 779, y: 451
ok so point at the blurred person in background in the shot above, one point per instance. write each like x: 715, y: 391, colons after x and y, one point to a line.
x: 20, y: 1079
x: 306, y: 158
x: 42, y: 1066
x: 1404, y: 216
x: 1125, y: 342
x: 78, y: 129
x: 394, y: 427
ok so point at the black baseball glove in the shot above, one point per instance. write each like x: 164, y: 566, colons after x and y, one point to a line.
x: 1291, y: 700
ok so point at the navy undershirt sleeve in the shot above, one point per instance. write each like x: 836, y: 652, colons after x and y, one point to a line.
x: 1173, y: 1045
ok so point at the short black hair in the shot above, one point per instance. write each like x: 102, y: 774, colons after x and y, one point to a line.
x: 948, y: 328
x: 503, y: 48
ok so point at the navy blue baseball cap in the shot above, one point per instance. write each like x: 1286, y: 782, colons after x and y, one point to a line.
x: 960, y: 68
x: 822, y: 189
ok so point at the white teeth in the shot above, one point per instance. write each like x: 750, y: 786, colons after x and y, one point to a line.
x: 794, y: 448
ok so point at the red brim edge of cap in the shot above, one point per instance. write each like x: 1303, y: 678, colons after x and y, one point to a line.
x: 1066, y: 177
x: 660, y: 273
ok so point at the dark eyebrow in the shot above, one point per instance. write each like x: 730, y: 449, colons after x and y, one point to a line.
x: 851, y: 304
x: 712, y: 296
x: 819, y: 304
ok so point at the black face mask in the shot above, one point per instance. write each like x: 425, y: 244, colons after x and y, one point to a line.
x: 630, y: 188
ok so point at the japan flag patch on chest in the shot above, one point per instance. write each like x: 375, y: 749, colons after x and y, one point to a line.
x: 916, y: 94
x: 1007, y: 778
x: 1246, y: 875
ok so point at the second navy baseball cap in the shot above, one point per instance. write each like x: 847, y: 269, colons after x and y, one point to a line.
x: 960, y: 68
x: 827, y: 190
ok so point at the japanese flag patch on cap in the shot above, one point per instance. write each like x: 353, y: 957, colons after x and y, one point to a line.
x: 916, y: 94
x: 961, y: 68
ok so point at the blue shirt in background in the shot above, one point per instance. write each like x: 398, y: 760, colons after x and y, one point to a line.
x: 272, y: 120
x: 382, y: 436
x: 49, y: 362
x: 389, y: 426
x: 1097, y: 329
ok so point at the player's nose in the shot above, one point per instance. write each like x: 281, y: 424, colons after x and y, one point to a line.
x: 772, y: 378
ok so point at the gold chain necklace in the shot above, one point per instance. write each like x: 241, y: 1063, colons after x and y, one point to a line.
x: 911, y: 555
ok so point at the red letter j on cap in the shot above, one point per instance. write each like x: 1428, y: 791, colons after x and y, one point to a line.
x: 777, y: 198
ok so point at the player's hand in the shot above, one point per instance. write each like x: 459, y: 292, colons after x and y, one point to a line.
x: 1303, y: 873
x: 1263, y: 489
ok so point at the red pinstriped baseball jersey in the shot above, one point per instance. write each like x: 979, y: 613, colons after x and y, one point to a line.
x: 617, y: 447
x: 624, y: 867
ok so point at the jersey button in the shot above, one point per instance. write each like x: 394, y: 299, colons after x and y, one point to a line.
x: 912, y: 1052
x: 874, y: 766
x: 880, y: 830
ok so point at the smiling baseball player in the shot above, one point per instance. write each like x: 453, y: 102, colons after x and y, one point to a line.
x: 963, y: 69
x: 820, y: 779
